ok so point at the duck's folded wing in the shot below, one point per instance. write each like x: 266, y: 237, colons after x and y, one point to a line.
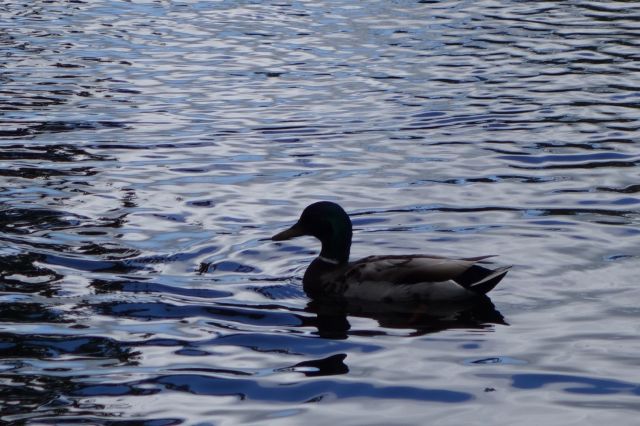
x: 408, y: 269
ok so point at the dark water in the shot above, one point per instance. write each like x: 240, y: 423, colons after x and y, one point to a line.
x: 148, y: 148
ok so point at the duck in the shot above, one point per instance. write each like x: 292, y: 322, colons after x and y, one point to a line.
x: 385, y: 279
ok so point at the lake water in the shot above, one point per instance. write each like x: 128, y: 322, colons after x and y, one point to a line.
x: 149, y: 149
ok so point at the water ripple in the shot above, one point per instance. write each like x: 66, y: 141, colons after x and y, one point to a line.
x: 148, y: 150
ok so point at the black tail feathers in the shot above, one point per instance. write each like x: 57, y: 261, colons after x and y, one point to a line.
x: 481, y: 280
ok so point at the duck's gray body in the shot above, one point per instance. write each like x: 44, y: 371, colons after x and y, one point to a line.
x: 409, y: 278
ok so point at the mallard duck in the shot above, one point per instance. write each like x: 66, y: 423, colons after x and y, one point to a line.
x: 388, y: 279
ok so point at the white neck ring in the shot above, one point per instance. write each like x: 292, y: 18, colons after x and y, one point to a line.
x: 327, y: 260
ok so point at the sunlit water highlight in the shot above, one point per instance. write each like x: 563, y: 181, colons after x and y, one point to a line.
x: 148, y: 149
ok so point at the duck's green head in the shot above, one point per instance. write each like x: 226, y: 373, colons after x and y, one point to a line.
x: 329, y: 223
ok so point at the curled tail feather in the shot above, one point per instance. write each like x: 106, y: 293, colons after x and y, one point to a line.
x: 481, y: 280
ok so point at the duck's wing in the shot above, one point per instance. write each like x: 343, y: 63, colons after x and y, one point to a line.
x: 424, y: 269
x: 409, y: 269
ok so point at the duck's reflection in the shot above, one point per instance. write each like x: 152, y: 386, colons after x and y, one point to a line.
x: 332, y: 316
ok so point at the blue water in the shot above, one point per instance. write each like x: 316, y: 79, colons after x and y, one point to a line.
x: 148, y: 150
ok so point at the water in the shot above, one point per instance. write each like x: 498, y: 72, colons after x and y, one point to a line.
x: 149, y: 149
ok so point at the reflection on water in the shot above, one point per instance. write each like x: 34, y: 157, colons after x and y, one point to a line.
x: 147, y: 149
x: 332, y: 316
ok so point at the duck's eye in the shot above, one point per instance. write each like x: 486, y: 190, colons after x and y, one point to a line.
x: 325, y: 227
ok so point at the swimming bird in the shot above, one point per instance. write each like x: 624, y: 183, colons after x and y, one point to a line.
x: 387, y: 279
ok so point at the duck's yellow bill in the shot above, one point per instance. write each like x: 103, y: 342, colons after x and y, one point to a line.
x: 295, y: 231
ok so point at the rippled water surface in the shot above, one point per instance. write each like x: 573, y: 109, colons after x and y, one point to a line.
x: 149, y: 149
